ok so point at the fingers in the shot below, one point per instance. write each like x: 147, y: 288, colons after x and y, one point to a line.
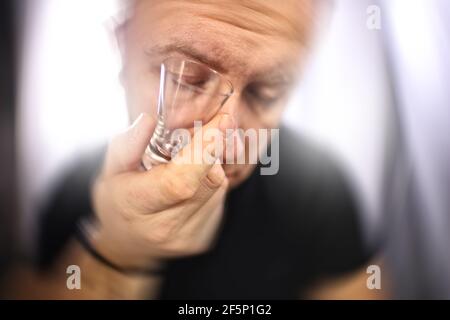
x: 126, y: 149
x: 196, y: 159
x: 202, y: 225
x: 183, y: 179
x: 207, y: 196
x: 208, y: 217
x: 197, y: 166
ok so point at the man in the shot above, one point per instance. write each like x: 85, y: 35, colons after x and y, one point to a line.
x: 209, y: 230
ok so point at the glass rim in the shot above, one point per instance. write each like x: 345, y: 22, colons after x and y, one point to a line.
x: 217, y: 73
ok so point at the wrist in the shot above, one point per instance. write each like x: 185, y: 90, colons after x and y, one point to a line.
x: 111, y: 252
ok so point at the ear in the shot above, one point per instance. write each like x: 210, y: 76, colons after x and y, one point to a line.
x: 116, y: 29
x: 119, y: 35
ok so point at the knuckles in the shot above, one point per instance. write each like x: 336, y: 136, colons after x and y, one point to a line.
x: 214, y: 178
x: 176, y: 188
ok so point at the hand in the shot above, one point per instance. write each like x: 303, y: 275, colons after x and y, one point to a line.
x: 172, y: 210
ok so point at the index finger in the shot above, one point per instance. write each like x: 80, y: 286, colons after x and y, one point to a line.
x: 195, y: 160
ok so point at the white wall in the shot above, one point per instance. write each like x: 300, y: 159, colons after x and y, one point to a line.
x: 70, y: 97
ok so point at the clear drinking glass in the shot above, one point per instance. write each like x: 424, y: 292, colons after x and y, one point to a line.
x: 188, y: 91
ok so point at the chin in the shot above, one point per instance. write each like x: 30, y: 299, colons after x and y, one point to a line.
x: 236, y: 174
x: 233, y: 182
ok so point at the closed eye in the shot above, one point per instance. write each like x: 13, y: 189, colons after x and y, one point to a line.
x: 265, y: 96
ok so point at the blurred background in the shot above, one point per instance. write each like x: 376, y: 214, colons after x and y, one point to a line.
x: 378, y: 97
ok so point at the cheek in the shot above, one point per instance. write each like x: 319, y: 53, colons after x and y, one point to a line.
x: 247, y: 119
x: 259, y: 116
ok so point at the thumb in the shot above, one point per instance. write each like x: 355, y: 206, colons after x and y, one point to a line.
x: 126, y: 149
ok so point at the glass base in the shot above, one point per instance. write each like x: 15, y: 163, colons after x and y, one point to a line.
x: 151, y: 158
x: 161, y: 148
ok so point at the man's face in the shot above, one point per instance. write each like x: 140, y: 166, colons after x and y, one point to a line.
x: 257, y: 45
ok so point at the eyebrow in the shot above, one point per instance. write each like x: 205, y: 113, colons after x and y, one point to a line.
x: 190, y: 52
x: 215, y: 61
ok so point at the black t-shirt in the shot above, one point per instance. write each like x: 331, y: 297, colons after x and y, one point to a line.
x: 280, y: 233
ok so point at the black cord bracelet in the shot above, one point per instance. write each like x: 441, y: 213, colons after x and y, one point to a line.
x: 83, y: 238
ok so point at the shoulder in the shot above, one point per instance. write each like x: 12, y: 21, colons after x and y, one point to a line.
x: 307, y: 172
x: 67, y: 200
x: 316, y: 206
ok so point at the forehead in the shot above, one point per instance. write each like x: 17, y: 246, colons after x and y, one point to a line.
x: 241, y: 35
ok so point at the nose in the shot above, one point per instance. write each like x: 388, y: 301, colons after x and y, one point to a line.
x: 231, y: 107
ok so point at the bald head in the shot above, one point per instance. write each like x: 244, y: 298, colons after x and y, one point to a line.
x: 292, y: 19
